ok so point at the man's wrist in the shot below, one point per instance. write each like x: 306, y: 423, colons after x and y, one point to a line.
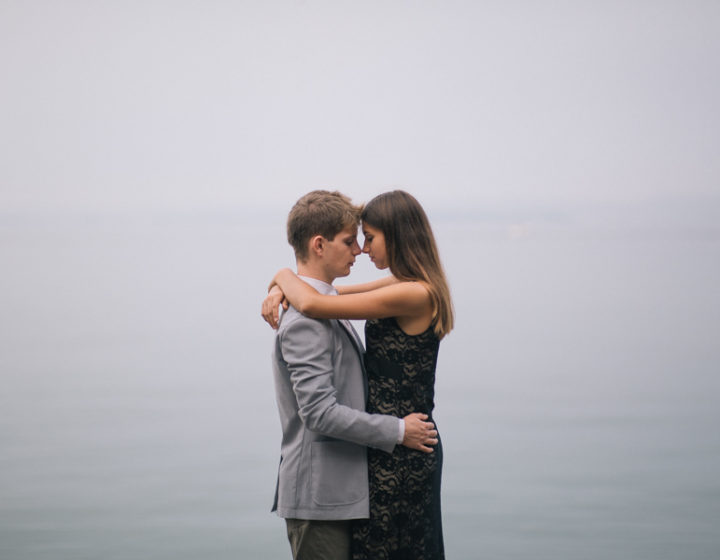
x: 401, y: 430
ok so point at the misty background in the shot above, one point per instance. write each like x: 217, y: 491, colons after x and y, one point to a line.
x: 566, y: 154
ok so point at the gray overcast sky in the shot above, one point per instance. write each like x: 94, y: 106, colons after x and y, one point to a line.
x: 207, y: 105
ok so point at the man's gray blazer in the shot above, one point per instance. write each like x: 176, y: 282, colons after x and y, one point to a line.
x: 320, y: 387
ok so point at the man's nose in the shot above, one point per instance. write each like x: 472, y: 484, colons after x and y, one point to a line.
x: 356, y: 249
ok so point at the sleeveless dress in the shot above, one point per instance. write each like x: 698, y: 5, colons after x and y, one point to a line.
x: 405, y: 522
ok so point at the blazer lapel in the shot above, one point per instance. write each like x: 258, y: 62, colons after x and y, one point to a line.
x: 354, y: 338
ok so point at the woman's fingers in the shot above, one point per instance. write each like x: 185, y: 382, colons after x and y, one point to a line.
x: 269, y: 312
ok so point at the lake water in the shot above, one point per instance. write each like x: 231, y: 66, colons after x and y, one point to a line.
x: 577, y: 397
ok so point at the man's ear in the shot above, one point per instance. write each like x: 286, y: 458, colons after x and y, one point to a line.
x: 317, y: 244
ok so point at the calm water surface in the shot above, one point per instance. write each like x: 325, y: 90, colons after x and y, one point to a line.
x: 577, y: 398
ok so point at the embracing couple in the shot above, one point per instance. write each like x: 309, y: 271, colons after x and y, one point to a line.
x: 361, y: 460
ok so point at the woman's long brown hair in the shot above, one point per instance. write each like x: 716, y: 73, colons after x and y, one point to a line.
x: 411, y: 249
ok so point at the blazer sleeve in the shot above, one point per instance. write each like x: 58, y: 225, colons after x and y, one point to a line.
x: 307, y: 350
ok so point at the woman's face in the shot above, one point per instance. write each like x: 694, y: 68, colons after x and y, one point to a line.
x: 374, y: 246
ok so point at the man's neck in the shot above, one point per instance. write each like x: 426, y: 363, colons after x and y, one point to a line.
x: 310, y: 271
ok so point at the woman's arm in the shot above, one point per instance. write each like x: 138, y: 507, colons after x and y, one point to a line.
x: 367, y: 286
x: 400, y: 299
x: 270, y: 305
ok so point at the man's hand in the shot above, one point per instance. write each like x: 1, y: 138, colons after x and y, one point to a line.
x: 269, y: 310
x: 419, y: 434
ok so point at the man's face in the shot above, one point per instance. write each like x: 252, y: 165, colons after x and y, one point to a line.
x: 339, y: 254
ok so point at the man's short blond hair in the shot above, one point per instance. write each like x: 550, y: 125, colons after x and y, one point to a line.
x: 319, y: 213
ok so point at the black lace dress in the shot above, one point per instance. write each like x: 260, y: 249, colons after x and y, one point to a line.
x: 405, y: 521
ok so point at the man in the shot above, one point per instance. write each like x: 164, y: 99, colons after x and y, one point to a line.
x: 320, y: 389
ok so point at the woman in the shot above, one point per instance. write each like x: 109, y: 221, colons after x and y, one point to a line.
x: 407, y: 316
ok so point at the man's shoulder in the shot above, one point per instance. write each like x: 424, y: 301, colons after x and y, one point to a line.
x: 293, y: 320
x: 298, y: 333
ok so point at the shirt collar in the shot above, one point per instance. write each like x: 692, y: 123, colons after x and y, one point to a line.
x: 322, y: 287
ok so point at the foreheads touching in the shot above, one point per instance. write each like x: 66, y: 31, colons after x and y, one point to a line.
x: 322, y: 213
